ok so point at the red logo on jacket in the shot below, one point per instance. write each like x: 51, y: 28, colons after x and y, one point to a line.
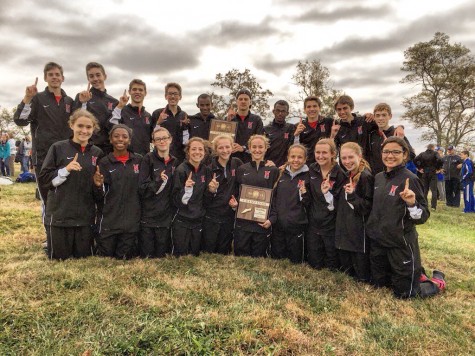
x: 203, y: 179
x: 286, y: 135
x: 233, y: 172
x: 249, y: 125
x: 94, y: 160
x: 147, y: 120
x: 266, y: 174
x: 322, y: 128
x: 360, y: 130
x: 109, y: 106
x: 68, y: 108
x: 136, y: 168
x: 393, y: 190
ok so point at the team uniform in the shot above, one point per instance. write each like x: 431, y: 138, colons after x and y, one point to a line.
x: 72, y: 196
x: 289, y: 215
x: 120, y: 220
x: 101, y: 106
x: 188, y: 222
x: 351, y: 239
x: 466, y: 175
x: 314, y: 132
x: 320, y: 238
x: 251, y: 239
x: 200, y: 126
x: 376, y: 139
x: 394, y: 250
x: 281, y: 137
x: 218, y: 222
x: 174, y: 124
x: 358, y: 131
x: 48, y: 119
x: 157, y: 207
x: 141, y: 123
x: 246, y: 127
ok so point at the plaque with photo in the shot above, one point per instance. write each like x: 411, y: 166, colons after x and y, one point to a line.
x: 254, y: 203
x: 221, y: 127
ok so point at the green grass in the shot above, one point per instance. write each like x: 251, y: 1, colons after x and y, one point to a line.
x: 223, y: 304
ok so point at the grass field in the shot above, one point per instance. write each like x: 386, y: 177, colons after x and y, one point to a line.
x: 223, y: 304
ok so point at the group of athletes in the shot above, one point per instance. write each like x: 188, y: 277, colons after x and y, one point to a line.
x: 342, y: 198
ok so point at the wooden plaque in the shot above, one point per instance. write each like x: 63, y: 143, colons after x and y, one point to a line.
x: 221, y: 127
x: 254, y: 203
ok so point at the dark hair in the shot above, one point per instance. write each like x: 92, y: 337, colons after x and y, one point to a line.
x: 91, y: 65
x: 195, y: 139
x: 283, y: 103
x: 203, y: 96
x: 401, y: 142
x: 382, y: 107
x: 244, y: 91
x: 312, y: 98
x: 120, y: 126
x: 138, y: 82
x: 345, y: 99
x: 52, y: 65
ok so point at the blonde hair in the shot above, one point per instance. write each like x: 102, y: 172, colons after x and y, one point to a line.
x: 331, y: 144
x: 298, y: 145
x: 363, y: 163
x: 84, y: 113
x: 160, y: 129
x: 261, y: 137
x: 194, y: 139
x: 221, y: 137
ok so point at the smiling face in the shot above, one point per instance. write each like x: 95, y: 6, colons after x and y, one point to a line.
x: 280, y: 113
x: 393, y: 155
x: 312, y: 110
x: 137, y: 94
x: 120, y: 140
x: 162, y: 141
x: 324, y: 155
x: 350, y: 159
x: 243, y: 102
x: 197, y: 152
x: 205, y: 105
x: 382, y: 119
x: 54, y: 78
x: 296, y: 158
x: 258, y: 149
x: 82, y: 128
x: 224, y: 149
x: 344, y: 112
x: 96, y: 78
x: 173, y: 96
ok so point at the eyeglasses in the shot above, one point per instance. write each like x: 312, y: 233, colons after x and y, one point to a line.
x: 161, y: 139
x: 393, y: 152
x: 173, y: 94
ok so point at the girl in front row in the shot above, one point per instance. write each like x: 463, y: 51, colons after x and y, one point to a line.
x: 326, y: 181
x: 218, y: 222
x: 117, y: 177
x: 251, y: 238
x: 398, y: 206
x: 354, y: 206
x: 156, y: 182
x: 67, y: 175
x: 289, y: 202
x: 189, y: 185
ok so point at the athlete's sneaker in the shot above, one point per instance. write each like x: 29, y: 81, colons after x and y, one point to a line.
x: 438, y: 278
x: 423, y: 278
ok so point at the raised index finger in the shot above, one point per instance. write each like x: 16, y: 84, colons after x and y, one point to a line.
x: 125, y: 92
x: 36, y: 81
x: 407, y: 184
x: 75, y: 157
x: 190, y: 175
x: 98, y: 170
x: 88, y: 86
x: 214, y: 176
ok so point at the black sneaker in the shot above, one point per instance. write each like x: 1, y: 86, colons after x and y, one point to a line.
x: 438, y: 278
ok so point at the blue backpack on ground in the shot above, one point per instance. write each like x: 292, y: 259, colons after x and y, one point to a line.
x: 26, y: 177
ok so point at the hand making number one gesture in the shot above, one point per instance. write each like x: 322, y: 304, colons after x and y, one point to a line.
x: 300, y: 128
x: 123, y: 100
x: 163, y: 116
x: 326, y: 184
x: 98, y: 177
x: 74, y: 164
x: 189, y: 182
x: 213, y: 185
x: 85, y: 95
x: 408, y: 195
x: 350, y: 187
x: 30, y: 92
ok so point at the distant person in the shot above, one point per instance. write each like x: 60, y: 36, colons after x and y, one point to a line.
x: 428, y: 163
x: 398, y: 206
x: 451, y: 169
x: 25, y: 147
x: 249, y: 124
x: 467, y: 176
x: 97, y: 101
x: 279, y: 133
x: 440, y: 177
x: 313, y: 128
x: 13, y: 151
x: 135, y: 116
x: 175, y: 120
x: 382, y: 115
x: 4, y: 155
x: 48, y: 114
x: 200, y: 123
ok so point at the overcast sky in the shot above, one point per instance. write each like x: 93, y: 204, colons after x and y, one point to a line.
x: 361, y: 42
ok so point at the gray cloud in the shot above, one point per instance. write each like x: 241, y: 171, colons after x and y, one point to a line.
x: 269, y: 64
x: 342, y: 13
